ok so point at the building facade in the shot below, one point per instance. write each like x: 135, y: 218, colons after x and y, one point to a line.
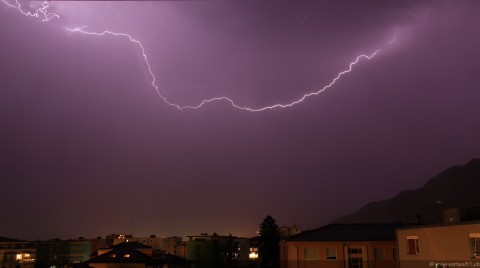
x: 218, y: 251
x: 62, y: 253
x: 16, y: 253
x: 440, y: 245
x: 342, y: 246
x: 288, y: 231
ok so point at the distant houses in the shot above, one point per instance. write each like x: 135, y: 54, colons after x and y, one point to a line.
x: 60, y: 253
x: 218, y: 250
x: 123, y: 250
x: 453, y: 243
x: 171, y: 245
x: 16, y: 253
x: 78, y: 252
x: 134, y: 255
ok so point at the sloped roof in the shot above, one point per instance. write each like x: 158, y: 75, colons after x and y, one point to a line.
x: 122, y: 255
x: 130, y: 253
x: 349, y: 232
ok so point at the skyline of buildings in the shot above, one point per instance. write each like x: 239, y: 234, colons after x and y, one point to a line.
x: 355, y: 245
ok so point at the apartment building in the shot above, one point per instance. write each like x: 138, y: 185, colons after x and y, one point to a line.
x: 342, y: 246
x: 440, y: 245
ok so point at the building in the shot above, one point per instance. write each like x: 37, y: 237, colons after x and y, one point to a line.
x: 62, y: 253
x: 218, y: 250
x: 342, y: 246
x: 135, y: 255
x: 287, y: 231
x: 458, y: 214
x: 98, y: 243
x: 170, y: 245
x: 16, y: 253
x: 439, y: 245
x: 253, y: 252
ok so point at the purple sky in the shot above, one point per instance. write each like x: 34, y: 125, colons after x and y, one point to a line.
x: 88, y: 148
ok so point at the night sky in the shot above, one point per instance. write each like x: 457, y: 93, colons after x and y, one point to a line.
x: 87, y: 146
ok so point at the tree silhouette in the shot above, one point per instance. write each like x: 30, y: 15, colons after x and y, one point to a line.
x: 269, y: 239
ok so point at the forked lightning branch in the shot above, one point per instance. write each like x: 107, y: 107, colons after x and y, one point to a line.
x: 44, y: 15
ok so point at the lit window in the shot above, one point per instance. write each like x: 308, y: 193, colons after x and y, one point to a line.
x: 331, y: 254
x: 18, y: 256
x: 311, y: 254
x: 412, y: 245
x: 126, y: 256
x: 379, y: 254
x: 253, y: 256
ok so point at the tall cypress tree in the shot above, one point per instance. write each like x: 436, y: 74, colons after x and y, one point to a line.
x: 269, y: 239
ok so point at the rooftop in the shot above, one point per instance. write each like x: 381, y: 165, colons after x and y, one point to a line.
x: 130, y: 252
x: 349, y: 232
x: 126, y: 252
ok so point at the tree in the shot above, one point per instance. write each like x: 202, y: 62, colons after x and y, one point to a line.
x: 269, y: 239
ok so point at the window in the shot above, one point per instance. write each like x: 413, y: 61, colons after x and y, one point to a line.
x: 311, y: 254
x: 331, y: 254
x: 379, y: 254
x: 354, y: 251
x: 475, y: 245
x: 355, y: 263
x: 475, y: 242
x: 412, y: 245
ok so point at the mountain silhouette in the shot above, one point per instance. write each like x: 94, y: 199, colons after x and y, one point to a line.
x: 455, y: 187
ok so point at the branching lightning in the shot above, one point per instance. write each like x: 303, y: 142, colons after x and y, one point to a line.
x: 204, y: 102
x: 43, y: 11
x: 39, y: 13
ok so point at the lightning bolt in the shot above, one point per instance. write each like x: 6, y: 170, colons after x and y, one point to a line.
x: 226, y: 99
x: 43, y: 11
x: 48, y: 16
